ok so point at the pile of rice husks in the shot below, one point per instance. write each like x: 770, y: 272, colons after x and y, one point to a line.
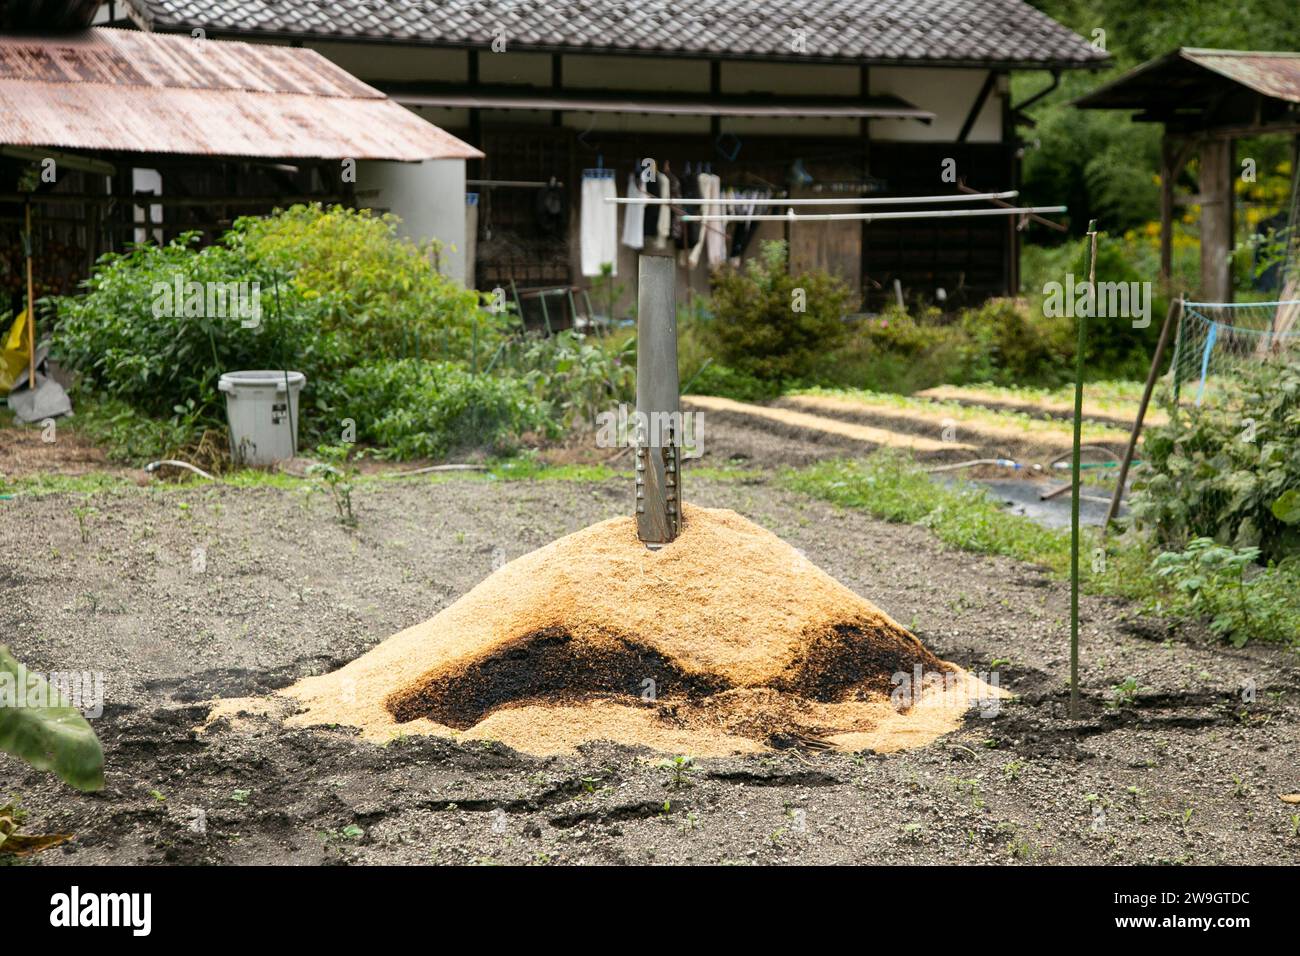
x: 726, y: 641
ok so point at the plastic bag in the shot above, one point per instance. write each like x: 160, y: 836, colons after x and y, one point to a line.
x: 14, y: 353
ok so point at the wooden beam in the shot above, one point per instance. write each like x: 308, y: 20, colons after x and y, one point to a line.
x: 557, y: 85
x: 978, y: 106
x: 715, y: 90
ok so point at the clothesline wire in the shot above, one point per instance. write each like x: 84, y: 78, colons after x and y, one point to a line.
x: 873, y: 216
x: 805, y: 201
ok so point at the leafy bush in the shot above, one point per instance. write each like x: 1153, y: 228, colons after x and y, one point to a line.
x: 332, y: 293
x: 155, y: 359
x: 415, y: 409
x: 1010, y: 344
x: 758, y: 323
x: 382, y: 294
x: 714, y: 379
x: 1227, y: 472
x: 1239, y: 600
x: 573, y: 377
x: 897, y: 352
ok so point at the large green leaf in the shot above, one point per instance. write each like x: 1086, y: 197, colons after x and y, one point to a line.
x: 51, y: 735
x: 1287, y: 507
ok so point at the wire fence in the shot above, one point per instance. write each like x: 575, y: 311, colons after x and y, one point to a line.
x: 1218, y: 340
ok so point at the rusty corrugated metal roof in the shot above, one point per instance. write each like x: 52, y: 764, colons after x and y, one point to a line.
x: 1179, y: 80
x: 123, y: 90
x: 1273, y: 74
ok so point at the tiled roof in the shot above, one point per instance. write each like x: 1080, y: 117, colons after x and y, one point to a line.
x: 985, y: 32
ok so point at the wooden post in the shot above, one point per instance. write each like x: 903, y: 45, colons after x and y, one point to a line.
x: 1167, y: 175
x: 31, y: 303
x: 1175, y: 312
x: 1216, y: 219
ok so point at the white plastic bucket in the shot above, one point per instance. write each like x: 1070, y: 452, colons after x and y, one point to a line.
x: 263, y: 418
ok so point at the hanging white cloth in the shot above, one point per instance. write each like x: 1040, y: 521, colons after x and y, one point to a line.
x: 716, y: 246
x: 634, y: 215
x: 598, y: 235
x: 710, y: 232
x: 664, y: 227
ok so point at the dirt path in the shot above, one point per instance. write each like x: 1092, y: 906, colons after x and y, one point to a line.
x: 1186, y: 772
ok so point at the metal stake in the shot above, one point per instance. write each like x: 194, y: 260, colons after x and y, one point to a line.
x: 658, y: 404
x: 1090, y: 258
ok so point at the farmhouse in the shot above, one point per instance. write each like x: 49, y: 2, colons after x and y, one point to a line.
x: 831, y: 98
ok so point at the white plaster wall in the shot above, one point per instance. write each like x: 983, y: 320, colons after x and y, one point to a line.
x: 430, y: 199
x: 948, y: 93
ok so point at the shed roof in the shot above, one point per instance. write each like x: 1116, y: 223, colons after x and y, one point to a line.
x: 1189, y: 76
x: 124, y: 90
x: 1006, y: 33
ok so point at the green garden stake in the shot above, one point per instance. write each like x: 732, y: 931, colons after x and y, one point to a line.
x: 1090, y: 264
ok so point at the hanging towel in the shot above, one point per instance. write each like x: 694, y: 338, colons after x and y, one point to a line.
x: 710, y: 233
x: 599, y: 230
x: 634, y: 215
x: 717, y: 231
x: 752, y: 202
x: 664, y: 227
x: 691, y: 189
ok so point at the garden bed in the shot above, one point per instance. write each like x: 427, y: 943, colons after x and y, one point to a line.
x: 1174, y: 766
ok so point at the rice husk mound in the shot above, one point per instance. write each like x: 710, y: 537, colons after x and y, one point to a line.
x: 726, y: 641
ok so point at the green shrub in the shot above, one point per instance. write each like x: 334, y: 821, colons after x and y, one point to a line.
x: 332, y: 292
x: 1224, y: 472
x: 896, y: 352
x: 772, y: 325
x: 130, y: 344
x: 383, y: 295
x: 1240, y: 601
x: 1009, y: 344
x: 417, y: 409
x: 714, y: 379
x: 573, y: 376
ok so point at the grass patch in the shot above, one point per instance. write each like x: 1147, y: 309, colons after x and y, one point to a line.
x: 87, y: 484
x: 521, y: 468
x: 528, y: 468
x: 890, y: 486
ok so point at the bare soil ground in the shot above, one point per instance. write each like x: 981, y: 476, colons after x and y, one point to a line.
x: 24, y: 451
x: 1189, y: 770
